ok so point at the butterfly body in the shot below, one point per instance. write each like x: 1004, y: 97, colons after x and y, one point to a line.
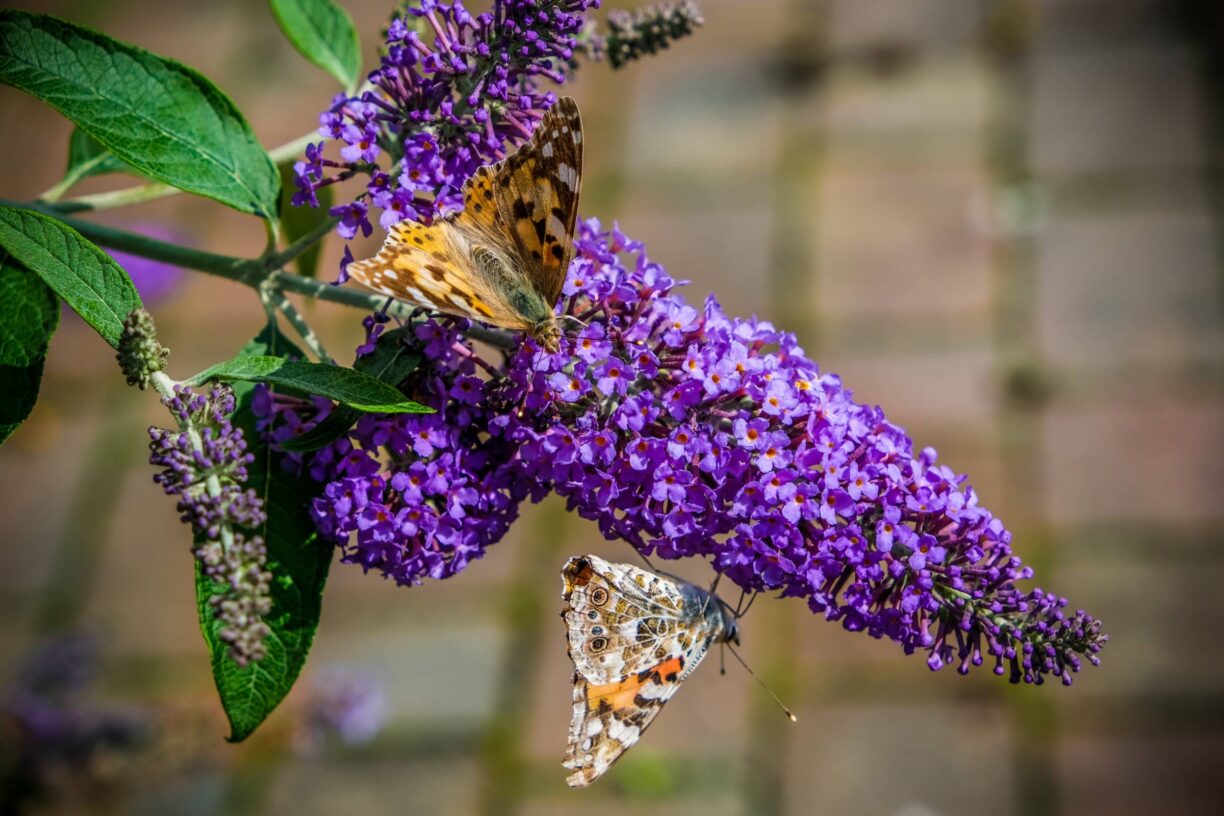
x: 503, y: 259
x: 634, y: 637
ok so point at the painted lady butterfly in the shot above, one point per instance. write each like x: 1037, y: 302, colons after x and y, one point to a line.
x: 503, y: 259
x: 634, y: 637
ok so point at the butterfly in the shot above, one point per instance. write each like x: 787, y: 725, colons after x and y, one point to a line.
x: 503, y: 259
x: 634, y: 637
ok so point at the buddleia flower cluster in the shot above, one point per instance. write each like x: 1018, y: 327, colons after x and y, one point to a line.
x: 689, y: 433
x: 411, y: 496
x: 204, y: 463
x: 452, y: 92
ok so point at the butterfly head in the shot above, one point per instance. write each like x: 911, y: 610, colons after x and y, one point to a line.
x: 719, y: 615
x: 730, y: 625
x: 548, y: 334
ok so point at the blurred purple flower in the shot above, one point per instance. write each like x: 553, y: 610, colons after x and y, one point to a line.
x: 55, y: 728
x: 344, y: 706
x: 154, y: 280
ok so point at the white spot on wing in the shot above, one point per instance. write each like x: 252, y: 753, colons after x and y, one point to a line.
x: 547, y: 150
x: 567, y: 175
x: 459, y: 302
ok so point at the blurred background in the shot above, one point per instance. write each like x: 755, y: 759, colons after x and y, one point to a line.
x: 999, y: 219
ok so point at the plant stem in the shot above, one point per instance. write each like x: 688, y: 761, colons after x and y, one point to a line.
x: 300, y: 325
x: 320, y: 231
x: 121, y: 198
x: 250, y: 271
x: 155, y: 190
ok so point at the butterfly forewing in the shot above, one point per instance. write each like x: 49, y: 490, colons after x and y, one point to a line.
x: 537, y: 196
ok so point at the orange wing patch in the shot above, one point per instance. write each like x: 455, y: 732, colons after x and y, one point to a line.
x: 624, y: 694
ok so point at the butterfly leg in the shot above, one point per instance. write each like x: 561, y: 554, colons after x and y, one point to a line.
x: 381, y: 315
x: 739, y: 603
x: 749, y: 606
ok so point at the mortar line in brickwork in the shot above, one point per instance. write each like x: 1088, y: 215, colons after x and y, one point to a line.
x: 1021, y: 376
x: 532, y: 626
x: 90, y: 512
x: 792, y: 298
x: 1209, y: 61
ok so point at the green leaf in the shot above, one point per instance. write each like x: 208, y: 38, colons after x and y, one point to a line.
x: 29, y: 313
x: 299, y: 221
x: 86, y: 278
x: 344, y: 385
x: 298, y: 561
x: 87, y: 157
x: 164, y: 119
x: 323, y: 33
x: 390, y: 362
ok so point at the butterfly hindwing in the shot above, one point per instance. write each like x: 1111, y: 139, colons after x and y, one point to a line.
x: 651, y: 632
x: 419, y: 264
x: 609, y: 719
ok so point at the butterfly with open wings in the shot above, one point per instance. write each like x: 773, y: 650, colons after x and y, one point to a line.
x: 634, y: 637
x: 503, y: 259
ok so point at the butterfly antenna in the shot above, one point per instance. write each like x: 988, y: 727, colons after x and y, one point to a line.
x: 710, y: 593
x: 646, y: 560
x: 761, y: 682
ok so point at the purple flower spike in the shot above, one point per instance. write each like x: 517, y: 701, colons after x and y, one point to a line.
x: 776, y: 475
x: 204, y: 463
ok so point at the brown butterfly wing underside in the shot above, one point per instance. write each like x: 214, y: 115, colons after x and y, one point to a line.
x: 634, y: 637
x: 503, y: 259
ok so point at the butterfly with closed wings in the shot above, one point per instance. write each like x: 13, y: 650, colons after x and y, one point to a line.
x: 634, y: 637
x: 503, y: 259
